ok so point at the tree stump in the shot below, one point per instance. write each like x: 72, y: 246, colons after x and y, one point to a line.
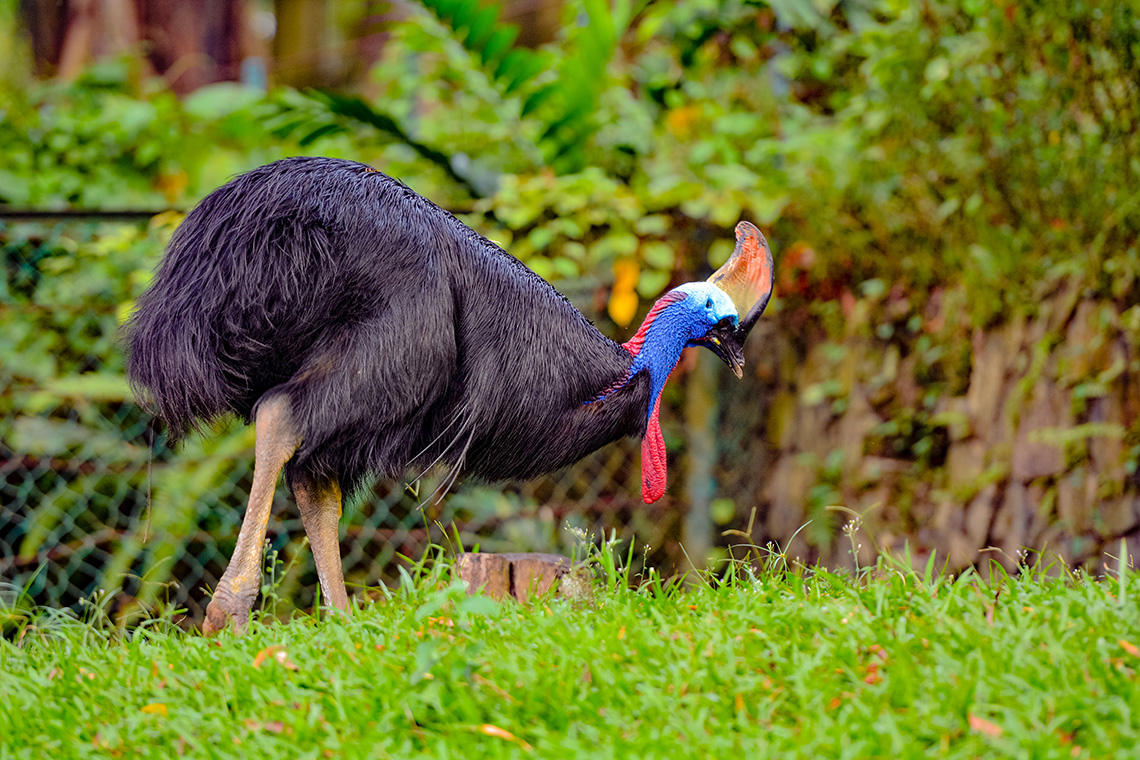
x: 521, y: 576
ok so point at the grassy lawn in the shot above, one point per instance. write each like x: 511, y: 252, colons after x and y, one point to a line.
x: 807, y: 664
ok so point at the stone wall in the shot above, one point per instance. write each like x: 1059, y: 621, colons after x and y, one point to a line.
x: 972, y: 442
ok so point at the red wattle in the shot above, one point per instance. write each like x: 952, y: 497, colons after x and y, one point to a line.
x: 653, y: 461
x: 653, y: 456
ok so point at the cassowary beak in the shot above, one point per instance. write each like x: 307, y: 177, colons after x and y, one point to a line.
x: 722, y: 341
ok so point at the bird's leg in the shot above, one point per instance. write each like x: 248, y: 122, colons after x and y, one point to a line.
x: 320, y: 503
x: 277, y: 439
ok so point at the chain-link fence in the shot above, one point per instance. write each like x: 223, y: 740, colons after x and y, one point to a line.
x: 91, y: 498
x: 77, y: 520
x: 823, y: 437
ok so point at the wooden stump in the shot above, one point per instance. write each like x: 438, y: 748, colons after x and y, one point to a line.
x: 521, y: 576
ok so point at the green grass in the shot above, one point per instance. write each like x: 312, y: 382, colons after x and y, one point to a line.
x: 807, y: 664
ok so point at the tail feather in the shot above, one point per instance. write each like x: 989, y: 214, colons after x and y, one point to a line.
x: 174, y: 367
x: 236, y: 300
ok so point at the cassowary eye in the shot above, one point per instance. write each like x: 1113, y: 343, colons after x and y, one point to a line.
x: 708, y: 304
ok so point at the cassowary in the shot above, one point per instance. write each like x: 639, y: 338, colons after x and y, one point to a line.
x: 365, y: 331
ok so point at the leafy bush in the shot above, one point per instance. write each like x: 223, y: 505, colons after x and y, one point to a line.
x: 920, y: 145
x: 985, y: 153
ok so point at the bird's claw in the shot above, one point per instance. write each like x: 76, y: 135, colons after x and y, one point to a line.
x: 218, y: 616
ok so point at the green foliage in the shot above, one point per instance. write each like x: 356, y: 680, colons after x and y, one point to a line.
x: 80, y: 475
x: 68, y: 415
x: 107, y: 141
x: 960, y: 142
x: 997, y: 144
x: 477, y: 27
x: 560, y: 88
x: 897, y: 663
x: 923, y: 145
x: 896, y: 154
x: 89, y: 145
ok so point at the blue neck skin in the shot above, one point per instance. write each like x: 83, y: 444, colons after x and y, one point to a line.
x: 670, y: 332
x: 681, y: 316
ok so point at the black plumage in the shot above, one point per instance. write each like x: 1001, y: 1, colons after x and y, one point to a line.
x: 366, y: 331
x: 400, y: 335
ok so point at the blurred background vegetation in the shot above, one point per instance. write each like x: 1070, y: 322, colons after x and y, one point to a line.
x: 952, y: 191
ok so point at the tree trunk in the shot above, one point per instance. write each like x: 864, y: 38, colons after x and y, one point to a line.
x: 194, y: 42
x: 521, y: 576
x: 300, y: 47
x: 189, y: 42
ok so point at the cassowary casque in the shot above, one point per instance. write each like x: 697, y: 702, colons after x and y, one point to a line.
x: 365, y: 331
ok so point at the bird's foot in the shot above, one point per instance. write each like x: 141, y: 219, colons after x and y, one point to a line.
x: 220, y: 612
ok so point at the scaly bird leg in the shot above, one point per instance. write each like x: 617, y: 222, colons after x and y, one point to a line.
x: 320, y: 504
x: 276, y: 442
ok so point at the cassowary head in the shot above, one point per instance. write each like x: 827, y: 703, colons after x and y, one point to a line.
x: 717, y: 314
x: 713, y: 322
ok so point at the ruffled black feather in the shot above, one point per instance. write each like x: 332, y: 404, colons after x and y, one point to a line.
x: 394, y: 329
